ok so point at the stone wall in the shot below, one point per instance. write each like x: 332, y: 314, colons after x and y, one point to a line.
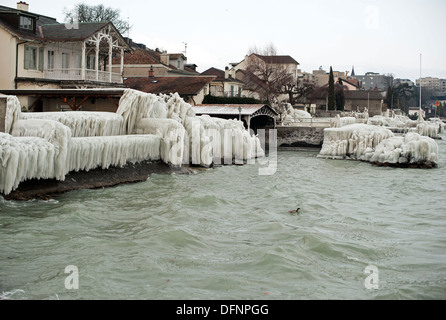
x: 300, y: 137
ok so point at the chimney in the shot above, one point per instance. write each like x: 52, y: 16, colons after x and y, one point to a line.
x: 151, y: 72
x: 226, y: 72
x: 164, y: 58
x: 22, y: 6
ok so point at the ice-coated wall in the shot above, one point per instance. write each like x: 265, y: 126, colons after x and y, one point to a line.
x: 145, y: 127
x: 377, y: 144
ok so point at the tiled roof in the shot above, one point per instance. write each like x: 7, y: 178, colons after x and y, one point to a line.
x: 175, y: 56
x: 139, y: 56
x: 251, y: 81
x: 277, y: 59
x: 48, y: 29
x: 183, y: 85
x: 59, y: 32
x: 21, y: 33
x: 220, y: 75
x: 365, y: 94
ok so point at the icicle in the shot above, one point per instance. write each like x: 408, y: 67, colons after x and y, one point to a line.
x: 83, y: 124
x: 13, y: 110
x: 103, y: 152
x: 52, y: 131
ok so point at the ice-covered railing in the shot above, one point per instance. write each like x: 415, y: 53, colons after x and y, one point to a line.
x: 104, y: 152
x: 83, y: 124
x: 342, y: 121
x: 145, y: 127
x: 397, y: 121
x: 290, y: 115
x: 378, y: 144
x: 186, y: 138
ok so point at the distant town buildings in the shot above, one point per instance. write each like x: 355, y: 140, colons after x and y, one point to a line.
x: 432, y: 84
x: 374, y: 81
x: 37, y: 52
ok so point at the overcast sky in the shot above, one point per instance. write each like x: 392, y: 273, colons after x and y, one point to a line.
x: 379, y: 36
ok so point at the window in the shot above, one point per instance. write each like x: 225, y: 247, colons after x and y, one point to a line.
x: 91, y: 62
x: 50, y: 60
x: 41, y: 59
x: 30, y: 58
x: 65, y: 62
x: 26, y: 23
x: 78, y: 64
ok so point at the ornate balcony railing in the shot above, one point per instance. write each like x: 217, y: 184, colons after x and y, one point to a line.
x: 75, y: 74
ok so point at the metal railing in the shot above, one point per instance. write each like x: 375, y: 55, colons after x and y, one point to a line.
x: 75, y: 74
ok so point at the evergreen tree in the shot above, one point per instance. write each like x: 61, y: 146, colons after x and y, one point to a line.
x: 331, y: 91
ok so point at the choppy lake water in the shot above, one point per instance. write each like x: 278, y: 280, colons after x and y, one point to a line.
x: 226, y: 233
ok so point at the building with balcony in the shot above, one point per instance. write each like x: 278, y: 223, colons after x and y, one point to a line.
x: 225, y: 83
x: 37, y: 52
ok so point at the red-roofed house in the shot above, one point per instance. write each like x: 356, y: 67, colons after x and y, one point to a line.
x: 191, y: 89
x: 224, y: 84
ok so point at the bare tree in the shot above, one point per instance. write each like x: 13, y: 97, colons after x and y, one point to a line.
x: 273, y: 76
x: 300, y: 89
x: 89, y: 13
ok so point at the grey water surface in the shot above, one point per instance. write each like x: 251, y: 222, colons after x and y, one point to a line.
x: 226, y: 233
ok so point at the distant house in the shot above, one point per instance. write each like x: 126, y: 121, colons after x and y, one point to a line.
x: 37, y: 52
x: 276, y: 61
x: 255, y: 79
x: 143, y: 62
x: 356, y: 100
x: 415, y: 111
x: 374, y: 81
x: 224, y: 84
x: 191, y: 89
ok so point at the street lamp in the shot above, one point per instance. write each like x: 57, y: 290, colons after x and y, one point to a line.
x: 240, y: 113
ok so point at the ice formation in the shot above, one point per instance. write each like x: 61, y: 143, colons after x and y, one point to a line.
x: 378, y: 145
x: 430, y: 128
x: 145, y: 127
x: 291, y: 115
x: 103, y: 152
x: 83, y: 124
x: 229, y: 141
x: 342, y: 121
x: 397, y: 121
x: 24, y: 158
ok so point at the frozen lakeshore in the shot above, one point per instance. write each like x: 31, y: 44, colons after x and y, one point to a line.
x: 93, y: 179
x: 146, y: 128
x: 380, y: 146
